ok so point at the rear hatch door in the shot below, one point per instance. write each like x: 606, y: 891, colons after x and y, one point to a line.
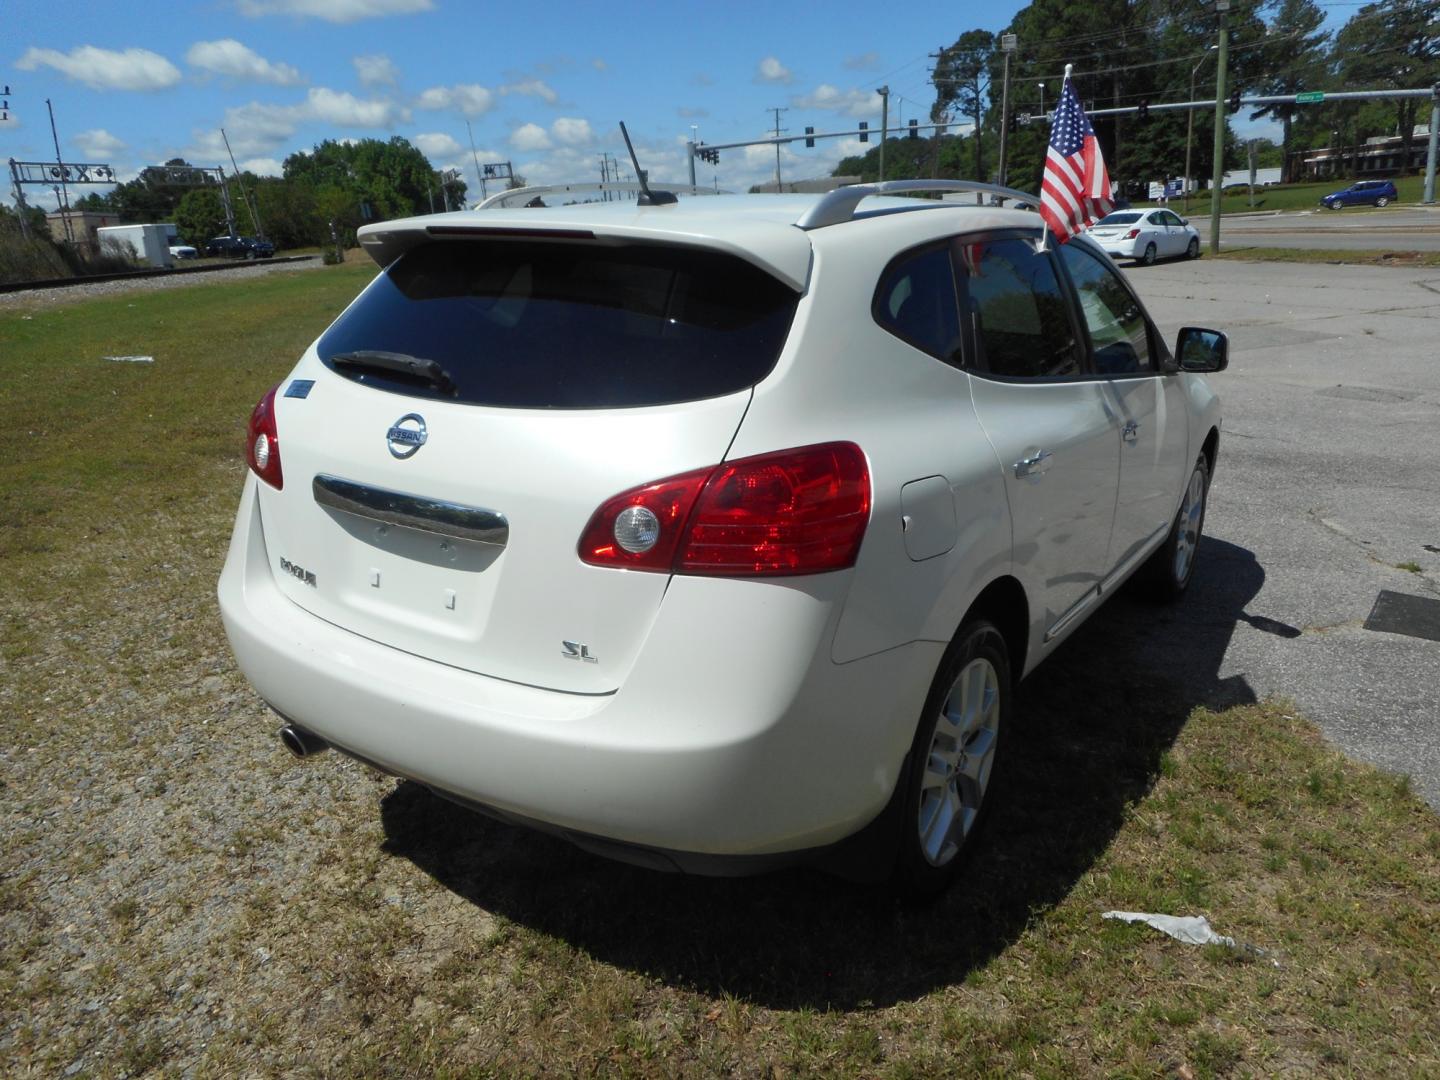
x: 436, y: 506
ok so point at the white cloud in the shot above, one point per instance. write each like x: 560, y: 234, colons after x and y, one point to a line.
x: 98, y: 144
x: 229, y: 57
x: 376, y: 70
x: 436, y: 144
x: 262, y: 166
x: 106, y: 69
x: 571, y: 131
x: 346, y: 110
x: 335, y: 11
x: 770, y: 70
x: 255, y: 130
x: 864, y: 62
x: 471, y: 99
x: 258, y: 130
x: 531, y: 88
x: 856, y: 103
x: 530, y: 138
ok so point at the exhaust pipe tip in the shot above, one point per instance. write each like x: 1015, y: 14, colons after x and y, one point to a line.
x: 302, y: 743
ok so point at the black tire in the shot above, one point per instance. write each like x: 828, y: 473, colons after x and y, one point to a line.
x: 1148, y: 259
x: 1168, y: 578
x: 1335, y: 204
x: 955, y: 787
x: 1382, y: 201
x: 1193, y: 251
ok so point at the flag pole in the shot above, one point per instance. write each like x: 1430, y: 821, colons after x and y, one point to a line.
x: 1045, y: 225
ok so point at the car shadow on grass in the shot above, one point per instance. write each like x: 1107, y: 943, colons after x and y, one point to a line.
x: 1092, y: 724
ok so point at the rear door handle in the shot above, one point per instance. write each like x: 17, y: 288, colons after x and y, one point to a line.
x: 1034, y: 465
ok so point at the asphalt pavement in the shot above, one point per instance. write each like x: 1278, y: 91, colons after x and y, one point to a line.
x: 1394, y: 228
x: 1327, y: 489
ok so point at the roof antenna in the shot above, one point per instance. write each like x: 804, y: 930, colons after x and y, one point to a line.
x: 647, y: 197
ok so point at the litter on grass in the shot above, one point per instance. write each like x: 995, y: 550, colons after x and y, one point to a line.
x: 129, y: 359
x: 1191, y: 929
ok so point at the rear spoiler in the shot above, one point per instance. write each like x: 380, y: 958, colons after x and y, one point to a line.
x: 523, y: 197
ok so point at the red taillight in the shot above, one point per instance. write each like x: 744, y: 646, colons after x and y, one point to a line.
x: 669, y: 501
x: 801, y: 511
x: 262, y: 443
x: 1132, y: 234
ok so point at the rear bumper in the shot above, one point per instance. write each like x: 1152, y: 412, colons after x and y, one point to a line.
x: 734, y: 733
x: 1119, y: 249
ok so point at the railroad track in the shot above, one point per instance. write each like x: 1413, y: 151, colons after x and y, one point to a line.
x: 133, y: 275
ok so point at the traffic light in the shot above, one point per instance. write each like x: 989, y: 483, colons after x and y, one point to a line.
x: 1142, y: 112
x: 809, y: 131
x: 914, y: 129
x: 864, y: 131
x: 1235, y: 100
x: 1012, y: 122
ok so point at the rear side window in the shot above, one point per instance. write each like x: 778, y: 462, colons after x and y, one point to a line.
x: 564, y: 325
x: 916, y: 302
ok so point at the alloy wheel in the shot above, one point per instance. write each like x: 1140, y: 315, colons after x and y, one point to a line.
x: 959, y: 763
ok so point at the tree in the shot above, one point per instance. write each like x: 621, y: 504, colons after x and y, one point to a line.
x: 391, y: 177
x: 1296, y: 59
x: 962, y: 76
x: 200, y: 216
x: 1393, y: 44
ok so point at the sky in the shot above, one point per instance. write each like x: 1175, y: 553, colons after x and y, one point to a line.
x: 542, y: 86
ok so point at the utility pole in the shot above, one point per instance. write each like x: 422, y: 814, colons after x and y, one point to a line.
x: 1007, y: 45
x: 62, y: 193
x: 777, y: 112
x: 1190, y: 123
x: 244, y: 191
x: 1429, y: 196
x: 479, y: 177
x: 884, y: 93
x: 1222, y: 9
x: 694, y: 138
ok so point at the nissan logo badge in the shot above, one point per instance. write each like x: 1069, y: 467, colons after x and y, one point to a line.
x: 406, y: 435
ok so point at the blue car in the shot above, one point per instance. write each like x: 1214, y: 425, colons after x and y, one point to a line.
x: 1372, y: 192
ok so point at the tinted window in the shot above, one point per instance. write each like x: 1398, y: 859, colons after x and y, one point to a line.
x: 565, y: 325
x: 1124, y: 218
x: 916, y: 302
x: 1022, y: 325
x: 1117, y: 326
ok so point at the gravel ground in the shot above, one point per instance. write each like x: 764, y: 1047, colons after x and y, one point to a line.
x: 71, y: 294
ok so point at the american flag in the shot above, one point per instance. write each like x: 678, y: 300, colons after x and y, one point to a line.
x: 1075, y: 190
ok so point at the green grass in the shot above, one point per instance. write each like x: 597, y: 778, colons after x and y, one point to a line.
x: 1369, y: 257
x: 176, y: 896
x: 1305, y: 196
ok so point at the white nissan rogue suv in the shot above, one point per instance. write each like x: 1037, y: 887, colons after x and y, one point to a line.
x: 712, y: 535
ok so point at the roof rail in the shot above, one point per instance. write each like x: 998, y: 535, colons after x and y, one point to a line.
x: 523, y: 196
x: 839, y: 205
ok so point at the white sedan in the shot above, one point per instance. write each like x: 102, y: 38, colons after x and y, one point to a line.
x: 1146, y: 235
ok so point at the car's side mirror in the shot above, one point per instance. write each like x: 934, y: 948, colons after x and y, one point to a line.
x: 1184, y: 221
x: 1199, y: 349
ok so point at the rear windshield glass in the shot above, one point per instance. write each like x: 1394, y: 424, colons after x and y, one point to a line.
x: 1124, y: 218
x: 565, y: 325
